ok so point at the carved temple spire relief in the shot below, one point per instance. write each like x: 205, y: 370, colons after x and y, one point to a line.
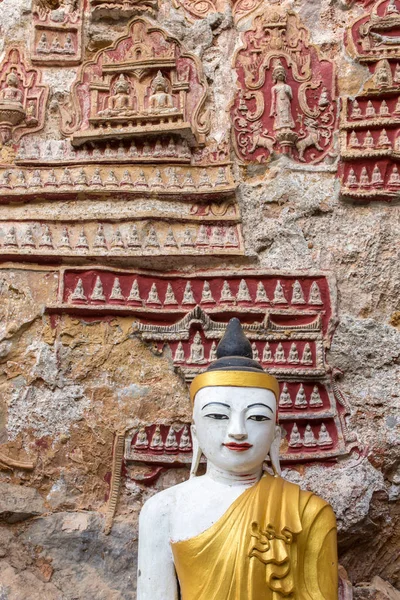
x: 145, y: 85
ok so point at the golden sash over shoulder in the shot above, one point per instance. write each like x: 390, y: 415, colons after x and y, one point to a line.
x: 274, y: 542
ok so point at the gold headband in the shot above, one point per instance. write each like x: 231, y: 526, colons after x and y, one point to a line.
x: 234, y: 379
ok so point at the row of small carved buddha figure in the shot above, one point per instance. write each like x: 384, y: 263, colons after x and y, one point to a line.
x: 309, y: 439
x: 383, y: 142
x: 143, y: 442
x: 376, y: 179
x: 173, y: 178
x: 226, y: 295
x: 63, y: 150
x: 370, y: 110
x: 216, y: 237
x: 55, y: 47
x: 197, y: 356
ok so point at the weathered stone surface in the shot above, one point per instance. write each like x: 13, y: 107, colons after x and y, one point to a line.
x: 19, y: 502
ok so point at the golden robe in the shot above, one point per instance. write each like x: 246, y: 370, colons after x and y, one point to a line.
x: 275, y: 541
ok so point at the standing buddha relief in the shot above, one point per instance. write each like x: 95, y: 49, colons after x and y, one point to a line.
x: 141, y: 86
x: 285, y: 101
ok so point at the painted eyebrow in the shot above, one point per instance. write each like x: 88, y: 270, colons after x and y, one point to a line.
x: 219, y: 404
x: 260, y: 404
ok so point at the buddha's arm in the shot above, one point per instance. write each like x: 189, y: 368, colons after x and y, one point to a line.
x: 156, y: 572
x: 319, y: 552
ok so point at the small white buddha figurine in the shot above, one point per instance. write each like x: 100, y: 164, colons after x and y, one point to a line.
x: 156, y: 443
x: 185, y: 443
x: 171, y: 445
x: 226, y: 294
x: 279, y: 294
x: 370, y: 110
x: 307, y: 358
x: 394, y: 179
x: 364, y: 179
x: 293, y: 357
x: 188, y: 297
x: 301, y: 400
x: 298, y: 295
x: 170, y: 296
x: 237, y: 532
x: 261, y: 295
x: 142, y: 442
x: 267, y: 353
x: 383, y: 74
x: 255, y: 351
x: 284, y: 399
x: 213, y: 352
x: 179, y: 354
x: 351, y: 180
x: 309, y: 437
x: 384, y: 109
x: 383, y: 140
x: 279, y: 354
x: 355, y: 111
x: 197, y: 350
x: 376, y: 179
x: 368, y: 140
x: 206, y: 295
x: 315, y: 398
x: 353, y: 140
x: 161, y: 101
x: 324, y: 439
x: 295, y: 440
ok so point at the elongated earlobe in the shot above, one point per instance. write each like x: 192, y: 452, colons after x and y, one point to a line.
x: 196, y: 452
x: 274, y: 452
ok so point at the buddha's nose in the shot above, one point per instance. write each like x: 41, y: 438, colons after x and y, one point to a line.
x: 237, y: 429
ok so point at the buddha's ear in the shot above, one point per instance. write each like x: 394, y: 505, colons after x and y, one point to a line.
x: 196, y: 452
x: 274, y: 452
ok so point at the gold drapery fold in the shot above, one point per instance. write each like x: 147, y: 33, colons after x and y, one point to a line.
x: 274, y: 542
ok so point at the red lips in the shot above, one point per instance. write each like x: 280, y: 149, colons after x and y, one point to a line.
x: 238, y: 447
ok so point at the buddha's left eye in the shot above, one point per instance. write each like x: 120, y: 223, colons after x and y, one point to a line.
x: 259, y: 418
x: 217, y: 416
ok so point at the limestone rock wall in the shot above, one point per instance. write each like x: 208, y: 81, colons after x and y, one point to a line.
x: 130, y: 215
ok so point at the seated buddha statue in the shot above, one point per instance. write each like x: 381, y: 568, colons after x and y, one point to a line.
x: 120, y: 103
x: 237, y: 532
x: 161, y: 101
x: 10, y: 93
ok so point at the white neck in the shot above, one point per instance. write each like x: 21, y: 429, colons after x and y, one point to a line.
x: 230, y: 478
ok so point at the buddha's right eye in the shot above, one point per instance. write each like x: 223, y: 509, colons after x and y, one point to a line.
x: 217, y: 416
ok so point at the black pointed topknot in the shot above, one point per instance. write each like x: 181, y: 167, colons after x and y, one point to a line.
x: 234, y: 351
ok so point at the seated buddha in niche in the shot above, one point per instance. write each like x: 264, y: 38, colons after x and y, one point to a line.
x: 161, y: 101
x: 237, y: 532
x: 121, y: 102
x: 10, y: 93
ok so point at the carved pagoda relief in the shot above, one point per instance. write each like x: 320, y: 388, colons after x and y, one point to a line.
x: 22, y: 98
x: 289, y: 319
x: 286, y: 95
x: 57, y: 32
x: 370, y: 121
x: 144, y: 86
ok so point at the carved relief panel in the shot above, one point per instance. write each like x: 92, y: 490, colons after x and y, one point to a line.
x: 144, y: 86
x: 289, y: 319
x: 121, y: 9
x: 57, y: 31
x: 285, y: 100
x: 370, y: 122
x: 22, y: 98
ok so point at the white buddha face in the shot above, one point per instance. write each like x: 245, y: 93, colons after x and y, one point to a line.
x: 235, y: 426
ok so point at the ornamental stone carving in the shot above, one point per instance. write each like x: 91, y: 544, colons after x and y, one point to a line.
x: 285, y: 100
x: 370, y: 121
x: 144, y: 86
x: 22, y: 98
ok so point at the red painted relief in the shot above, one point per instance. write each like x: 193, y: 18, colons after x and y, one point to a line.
x: 144, y: 85
x: 285, y: 102
x: 22, y: 98
x: 289, y: 319
x: 57, y: 32
x: 370, y: 122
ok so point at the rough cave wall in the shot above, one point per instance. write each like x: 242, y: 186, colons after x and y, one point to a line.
x: 87, y: 184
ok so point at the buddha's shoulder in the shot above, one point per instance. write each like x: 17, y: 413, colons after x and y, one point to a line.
x: 163, y: 502
x: 307, y: 500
